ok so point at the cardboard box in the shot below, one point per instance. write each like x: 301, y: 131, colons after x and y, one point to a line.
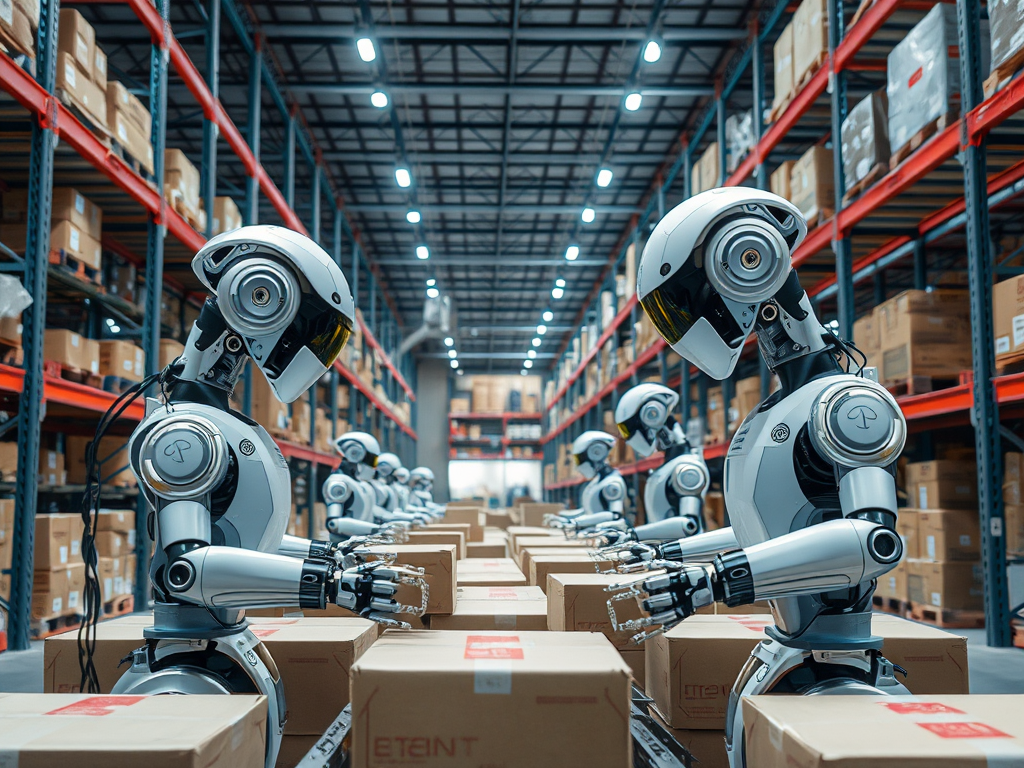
x: 51, y: 468
x: 77, y: 38
x: 779, y: 180
x: 511, y: 608
x: 1013, y: 528
x: 946, y: 493
x: 691, y: 668
x: 226, y: 216
x: 1008, y: 318
x: 783, y: 66
x: 438, y: 560
x: 936, y: 731
x: 456, y: 539
x: 907, y: 528
x: 517, y: 531
x: 496, y: 572
x: 58, y: 541
x: 893, y: 585
x: 467, y: 516
x: 99, y: 68
x: 66, y: 237
x: 487, y: 549
x: 112, y: 454
x: 810, y: 38
x: 532, y: 514
x: 811, y: 182
x: 578, y: 602
x: 170, y: 350
x: 118, y: 731
x: 121, y: 100
x: 1006, y: 21
x: 80, y: 90
x: 181, y: 180
x: 537, y: 545
x: 17, y: 27
x: 527, y: 555
x: 543, y: 567
x: 947, y: 586
x: 71, y: 205
x: 705, y: 174
x: 122, y: 359
x: 708, y: 747
x: 313, y: 655
x: 926, y: 471
x: 267, y: 410
x: 132, y: 139
x: 49, y: 594
x: 445, y: 698
x: 949, y: 534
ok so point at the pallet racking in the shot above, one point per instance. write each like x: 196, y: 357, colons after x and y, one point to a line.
x: 499, y: 441
x: 60, y: 141
x: 938, y: 200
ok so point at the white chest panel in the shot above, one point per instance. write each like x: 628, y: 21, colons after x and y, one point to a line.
x: 657, y: 507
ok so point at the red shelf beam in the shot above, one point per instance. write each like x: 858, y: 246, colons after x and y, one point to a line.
x: 370, y: 395
x: 508, y: 416
x: 305, y: 453
x: 375, y: 345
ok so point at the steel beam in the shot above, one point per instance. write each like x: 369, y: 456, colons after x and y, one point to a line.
x: 210, y: 129
x: 757, y: 57
x: 289, y: 161
x: 473, y: 33
x: 488, y: 261
x: 252, y: 184
x: 486, y: 158
x: 841, y: 245
x: 501, y: 89
x: 528, y: 209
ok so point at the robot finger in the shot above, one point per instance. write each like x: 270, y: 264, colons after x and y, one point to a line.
x: 387, y: 621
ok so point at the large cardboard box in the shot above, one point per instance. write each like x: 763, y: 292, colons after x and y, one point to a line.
x: 226, y: 216
x: 1013, y: 525
x: 865, y: 137
x: 578, y: 602
x: 113, y: 457
x: 691, y: 668
x: 170, y: 350
x: 708, y: 747
x: 514, y: 608
x: 543, y: 567
x: 934, y: 731
x: 1008, y: 318
x: 949, y: 534
x: 446, y: 699
x: 267, y: 410
x: 779, y: 180
x: 80, y: 90
x: 538, y: 543
x: 467, y: 516
x: 810, y: 38
x: 867, y: 337
x: 532, y: 513
x: 926, y: 471
x: 71, y: 205
x: 41, y: 730
x: 490, y: 572
x: 527, y: 555
x: 133, y: 139
x: 946, y: 586
x: 181, y: 181
x: 456, y: 539
x: 924, y: 334
x: 893, y: 585
x: 439, y: 563
x: 77, y: 38
x: 120, y: 99
x: 488, y: 548
x: 907, y: 528
x: 58, y: 541
x: 313, y: 655
x: 17, y: 26
x: 66, y: 237
x: 783, y: 66
x: 122, y: 359
x: 946, y: 493
x: 811, y: 183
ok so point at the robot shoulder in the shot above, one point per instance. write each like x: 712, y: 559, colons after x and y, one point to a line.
x: 855, y: 422
x: 183, y: 455
x: 613, y: 488
x: 339, y: 487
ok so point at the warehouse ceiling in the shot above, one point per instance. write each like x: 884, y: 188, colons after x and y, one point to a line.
x: 502, y: 113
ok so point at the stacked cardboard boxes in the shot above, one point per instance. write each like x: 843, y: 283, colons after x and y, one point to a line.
x: 71, y: 350
x: 18, y: 23
x: 75, y: 230
x: 779, y: 180
x: 226, y: 216
x: 924, y: 333
x: 131, y: 124
x: 122, y: 359
x: 81, y: 68
x: 706, y: 174
x: 181, y: 188
x: 783, y: 68
x: 1013, y: 509
x: 811, y: 184
x: 6, y: 547
x: 59, y: 575
x: 112, y: 453
x: 1008, y: 320
x: 810, y: 39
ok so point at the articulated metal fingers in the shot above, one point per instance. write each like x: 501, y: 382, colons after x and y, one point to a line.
x: 557, y: 521
x: 357, y: 558
x: 606, y: 534
x: 665, y: 598
x: 389, y: 622
x: 631, y: 557
x: 396, y: 532
x: 371, y: 587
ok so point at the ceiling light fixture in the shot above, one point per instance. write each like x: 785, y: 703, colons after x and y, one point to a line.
x: 422, y: 252
x: 433, y: 293
x: 572, y: 253
x: 560, y: 282
x: 366, y: 49
x: 452, y: 354
x: 633, y: 101
x: 413, y: 217
x: 527, y: 363
x: 431, y: 282
x: 379, y: 99
x: 604, y: 177
x: 548, y: 316
x: 449, y: 341
x: 541, y: 330
x: 531, y: 354
x: 588, y: 215
x: 652, y: 51
x: 535, y: 342
x: 557, y: 293
x: 402, y: 177
x: 455, y: 364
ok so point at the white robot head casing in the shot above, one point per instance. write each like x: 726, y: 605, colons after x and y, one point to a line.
x: 387, y: 463
x: 590, y: 450
x: 285, y: 297
x: 642, y: 412
x: 421, y: 477
x: 401, y: 475
x: 710, y: 264
x: 361, y: 450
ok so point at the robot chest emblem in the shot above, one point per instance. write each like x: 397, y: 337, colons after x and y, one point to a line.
x: 780, y: 433
x: 247, y: 447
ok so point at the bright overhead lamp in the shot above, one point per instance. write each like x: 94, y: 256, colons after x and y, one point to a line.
x: 572, y: 253
x: 402, y: 177
x: 523, y: 373
x: 527, y: 363
x: 557, y: 293
x: 548, y: 316
x: 431, y: 282
x: 422, y: 252
x: 633, y: 101
x: 588, y: 215
x: 460, y: 371
x: 115, y: 329
x: 652, y: 51
x: 541, y: 330
x: 535, y: 342
x: 604, y: 177
x: 452, y: 354
x: 379, y: 99
x: 560, y: 282
x: 433, y: 293
x: 367, y: 51
x: 449, y: 341
x: 531, y: 354
x: 455, y: 364
x: 413, y: 217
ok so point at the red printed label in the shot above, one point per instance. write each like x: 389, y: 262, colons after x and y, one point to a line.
x: 921, y: 708
x: 97, y: 706
x: 502, y: 593
x: 964, y: 731
x: 262, y: 632
x: 915, y: 78
x: 493, y: 647
x: 753, y: 623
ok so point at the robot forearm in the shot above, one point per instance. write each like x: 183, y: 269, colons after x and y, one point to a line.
x: 664, y: 530
x: 229, y: 577
x: 589, y: 521
x: 349, y: 526
x: 702, y: 545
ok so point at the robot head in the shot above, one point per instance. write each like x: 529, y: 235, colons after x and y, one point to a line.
x: 642, y: 412
x: 387, y: 463
x: 285, y: 297
x: 422, y: 478
x: 401, y: 474
x: 359, y: 453
x: 590, y: 450
x: 710, y: 264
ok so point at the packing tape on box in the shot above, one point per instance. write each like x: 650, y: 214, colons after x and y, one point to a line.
x: 505, y: 622
x: 491, y: 676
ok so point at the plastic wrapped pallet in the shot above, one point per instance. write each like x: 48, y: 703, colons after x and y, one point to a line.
x: 1006, y: 18
x: 739, y: 138
x: 811, y: 183
x: 866, y: 138
x: 924, y: 75
x: 810, y: 38
x: 783, y: 67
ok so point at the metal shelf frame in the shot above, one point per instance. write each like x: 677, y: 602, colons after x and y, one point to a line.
x: 53, y: 122
x: 983, y: 191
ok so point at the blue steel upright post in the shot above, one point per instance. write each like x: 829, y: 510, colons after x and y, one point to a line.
x: 840, y: 240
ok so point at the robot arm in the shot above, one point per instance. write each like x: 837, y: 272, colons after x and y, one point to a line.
x: 295, y: 546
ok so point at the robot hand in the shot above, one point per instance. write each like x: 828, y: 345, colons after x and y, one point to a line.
x: 666, y: 598
x: 607, y: 533
x: 575, y: 527
x: 630, y: 556
x: 369, y: 589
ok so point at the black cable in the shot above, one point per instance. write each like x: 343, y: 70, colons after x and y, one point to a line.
x: 90, y: 508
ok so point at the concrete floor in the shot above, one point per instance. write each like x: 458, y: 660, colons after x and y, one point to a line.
x: 993, y: 670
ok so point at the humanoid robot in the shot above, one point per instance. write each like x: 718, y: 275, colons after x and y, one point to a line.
x: 809, y: 477
x: 219, y: 490
x: 674, y: 494
x: 421, y: 485
x: 602, y: 498
x: 353, y: 502
x: 387, y: 493
x: 401, y: 486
